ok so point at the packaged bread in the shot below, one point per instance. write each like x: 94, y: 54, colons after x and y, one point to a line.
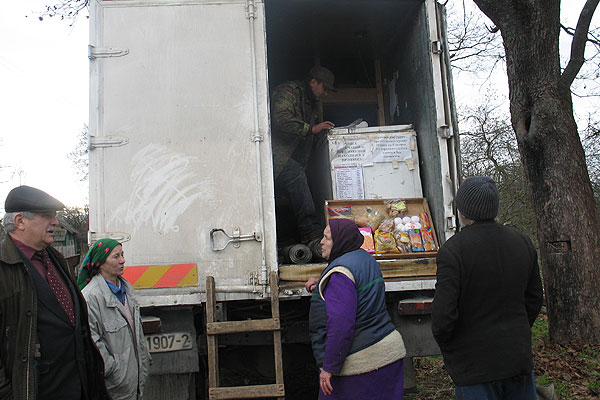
x: 385, y: 242
x: 374, y: 218
x: 402, y: 241
x: 396, y: 208
x: 387, y: 225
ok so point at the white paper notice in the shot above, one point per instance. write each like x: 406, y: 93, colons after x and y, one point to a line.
x: 391, y: 148
x: 349, y: 183
x: 351, y: 152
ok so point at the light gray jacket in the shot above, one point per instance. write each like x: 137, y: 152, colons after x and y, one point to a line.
x: 123, y: 347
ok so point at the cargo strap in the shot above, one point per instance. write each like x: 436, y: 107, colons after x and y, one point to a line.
x: 214, y: 328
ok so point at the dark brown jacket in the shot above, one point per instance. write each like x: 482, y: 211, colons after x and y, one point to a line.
x: 19, y: 353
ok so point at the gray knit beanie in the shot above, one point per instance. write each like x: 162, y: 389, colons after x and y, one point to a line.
x: 477, y: 198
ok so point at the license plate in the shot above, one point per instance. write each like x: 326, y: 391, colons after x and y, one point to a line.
x: 173, y: 341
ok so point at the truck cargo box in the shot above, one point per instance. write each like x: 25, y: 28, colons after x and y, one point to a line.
x: 180, y: 155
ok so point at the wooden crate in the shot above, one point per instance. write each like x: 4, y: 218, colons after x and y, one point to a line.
x: 414, y: 206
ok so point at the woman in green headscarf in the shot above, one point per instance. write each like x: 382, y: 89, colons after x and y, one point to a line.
x: 115, y: 319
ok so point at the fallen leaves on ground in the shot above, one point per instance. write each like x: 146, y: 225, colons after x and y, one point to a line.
x: 573, y: 369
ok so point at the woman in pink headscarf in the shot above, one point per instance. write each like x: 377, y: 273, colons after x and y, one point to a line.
x: 357, y: 347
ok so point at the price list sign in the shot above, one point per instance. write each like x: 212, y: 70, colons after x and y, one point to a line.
x: 350, y: 183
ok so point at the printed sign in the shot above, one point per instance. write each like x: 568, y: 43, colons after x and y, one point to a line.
x: 349, y: 183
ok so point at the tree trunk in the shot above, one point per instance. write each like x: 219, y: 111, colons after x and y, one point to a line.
x: 554, y: 161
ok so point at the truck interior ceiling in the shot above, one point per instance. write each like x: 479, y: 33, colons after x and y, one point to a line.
x: 375, y: 50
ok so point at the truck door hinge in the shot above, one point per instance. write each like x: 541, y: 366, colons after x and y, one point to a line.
x: 107, y: 141
x: 250, y: 9
x: 257, y: 137
x: 105, y: 52
x: 436, y: 47
x: 235, y: 238
x: 445, y: 131
x: 118, y: 236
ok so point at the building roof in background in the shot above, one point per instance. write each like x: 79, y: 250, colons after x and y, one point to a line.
x: 64, y: 224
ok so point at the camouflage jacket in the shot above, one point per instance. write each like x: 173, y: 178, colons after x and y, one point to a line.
x: 294, y: 111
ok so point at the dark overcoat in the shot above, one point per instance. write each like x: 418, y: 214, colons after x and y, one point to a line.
x: 487, y: 296
x: 41, y: 350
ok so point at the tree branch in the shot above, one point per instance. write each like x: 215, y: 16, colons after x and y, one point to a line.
x: 579, y: 41
x: 571, y: 32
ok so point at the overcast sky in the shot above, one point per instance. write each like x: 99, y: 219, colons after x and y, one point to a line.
x: 43, y: 100
x: 44, y: 74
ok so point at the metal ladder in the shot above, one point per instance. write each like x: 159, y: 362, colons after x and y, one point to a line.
x: 214, y: 328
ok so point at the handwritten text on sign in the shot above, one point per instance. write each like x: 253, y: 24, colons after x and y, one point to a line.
x: 366, y: 151
x: 391, y: 148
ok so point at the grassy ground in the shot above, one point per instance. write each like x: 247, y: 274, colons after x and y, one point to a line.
x: 574, y: 370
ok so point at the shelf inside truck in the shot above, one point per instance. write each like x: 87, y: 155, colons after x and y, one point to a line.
x: 390, y: 268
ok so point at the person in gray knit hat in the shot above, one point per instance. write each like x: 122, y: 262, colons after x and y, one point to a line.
x: 487, y: 296
x: 477, y: 198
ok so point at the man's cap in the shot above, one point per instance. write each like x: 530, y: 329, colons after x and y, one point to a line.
x: 477, y: 198
x: 27, y: 198
x: 324, y: 75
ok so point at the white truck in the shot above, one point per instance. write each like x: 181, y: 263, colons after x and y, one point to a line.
x: 181, y: 165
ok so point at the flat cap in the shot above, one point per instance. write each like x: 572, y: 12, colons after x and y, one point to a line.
x: 27, y: 198
x: 324, y: 75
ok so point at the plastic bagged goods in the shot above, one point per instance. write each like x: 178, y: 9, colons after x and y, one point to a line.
x: 368, y: 244
x: 374, y: 217
x: 402, y: 241
x: 428, y: 240
x: 341, y: 212
x: 387, y: 225
x: 425, y: 220
x: 396, y: 208
x: 416, y: 242
x: 385, y: 242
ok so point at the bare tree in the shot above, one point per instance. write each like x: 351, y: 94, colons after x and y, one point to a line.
x: 474, y: 47
x: 64, y: 9
x: 553, y: 157
x: 78, y: 218
x: 79, y: 156
x: 489, y: 148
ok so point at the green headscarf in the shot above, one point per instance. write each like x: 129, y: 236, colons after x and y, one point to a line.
x: 95, y: 257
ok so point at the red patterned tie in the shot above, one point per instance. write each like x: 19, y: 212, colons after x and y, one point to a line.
x: 58, y: 288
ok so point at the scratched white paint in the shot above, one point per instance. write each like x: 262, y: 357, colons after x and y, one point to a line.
x: 164, y: 185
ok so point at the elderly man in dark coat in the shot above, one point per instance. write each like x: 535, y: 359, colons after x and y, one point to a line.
x: 487, y: 296
x: 47, y: 351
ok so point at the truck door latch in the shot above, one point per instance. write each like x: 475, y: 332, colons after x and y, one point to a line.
x: 107, y: 52
x: 107, y: 141
x: 236, y: 238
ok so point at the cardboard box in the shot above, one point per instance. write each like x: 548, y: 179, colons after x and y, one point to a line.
x: 415, y: 206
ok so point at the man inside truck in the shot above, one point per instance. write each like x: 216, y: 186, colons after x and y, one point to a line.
x: 298, y: 130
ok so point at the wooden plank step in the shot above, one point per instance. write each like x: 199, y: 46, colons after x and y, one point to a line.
x: 401, y: 268
x: 255, y: 325
x: 246, y: 392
